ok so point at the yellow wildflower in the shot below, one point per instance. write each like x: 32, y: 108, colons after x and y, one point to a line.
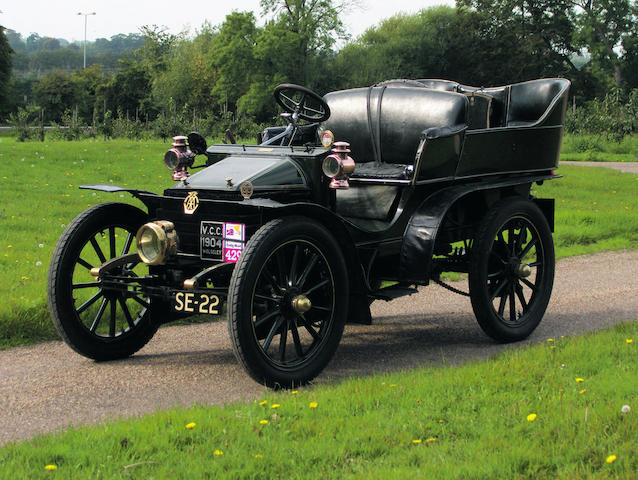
x: 579, y: 380
x: 629, y: 340
x: 430, y: 440
x: 294, y: 392
x: 531, y: 417
x: 416, y: 441
x: 313, y: 404
x: 611, y: 459
x: 50, y: 467
x: 263, y: 422
x: 550, y: 340
x: 582, y: 391
x: 259, y: 456
x: 263, y: 403
x: 218, y: 453
x: 190, y: 425
x: 275, y: 405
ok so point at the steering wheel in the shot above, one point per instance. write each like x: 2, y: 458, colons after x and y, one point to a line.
x: 307, y: 104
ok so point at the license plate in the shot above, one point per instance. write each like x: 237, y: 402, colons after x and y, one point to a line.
x: 222, y: 241
x: 196, y: 302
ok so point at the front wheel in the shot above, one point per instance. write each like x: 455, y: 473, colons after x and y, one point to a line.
x: 288, y: 299
x: 99, y: 322
x: 511, y: 270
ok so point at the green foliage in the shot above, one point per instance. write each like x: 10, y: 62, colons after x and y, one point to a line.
x: 614, y: 116
x: 521, y: 415
x: 6, y: 53
x: 23, y: 122
x: 55, y: 93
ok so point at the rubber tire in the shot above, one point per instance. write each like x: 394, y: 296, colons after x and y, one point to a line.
x: 486, y: 316
x: 257, y: 251
x: 63, y: 261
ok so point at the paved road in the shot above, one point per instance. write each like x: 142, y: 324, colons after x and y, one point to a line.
x: 629, y: 167
x: 47, y: 387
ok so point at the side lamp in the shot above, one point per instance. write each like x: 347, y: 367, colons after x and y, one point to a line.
x: 179, y: 158
x: 338, y: 166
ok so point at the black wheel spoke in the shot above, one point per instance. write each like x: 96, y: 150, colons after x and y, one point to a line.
x: 89, y: 302
x: 323, y: 309
x: 293, y: 265
x: 98, y: 250
x: 144, y: 303
x: 85, y: 264
x: 295, y: 339
x: 98, y: 317
x: 128, y: 243
x: 323, y: 283
x: 535, y: 264
x: 113, y: 318
x: 263, y: 319
x: 112, y: 242
x: 496, y: 275
x: 501, y: 305
x: 529, y: 284
x: 270, y: 279
x: 308, y: 326
x: 521, y: 296
x: 127, y: 313
x: 498, y: 290
x: 307, y: 270
x: 512, y: 298
x: 503, y: 242
x: 268, y: 298
x: 85, y: 285
x: 527, y: 248
x: 271, y: 334
x: 281, y: 269
x: 283, y: 338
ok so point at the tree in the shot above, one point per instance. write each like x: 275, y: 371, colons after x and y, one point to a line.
x: 55, y: 93
x: 233, y: 58
x: 5, y: 72
x: 601, y: 27
x: 314, y: 25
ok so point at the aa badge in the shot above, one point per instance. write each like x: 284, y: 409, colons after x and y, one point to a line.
x: 246, y: 189
x: 191, y: 202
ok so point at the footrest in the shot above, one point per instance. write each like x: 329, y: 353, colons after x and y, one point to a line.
x: 394, y: 291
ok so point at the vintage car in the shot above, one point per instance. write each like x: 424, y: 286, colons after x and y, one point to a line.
x: 297, y: 235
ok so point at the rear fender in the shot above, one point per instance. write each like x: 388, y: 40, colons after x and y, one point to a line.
x: 420, y: 235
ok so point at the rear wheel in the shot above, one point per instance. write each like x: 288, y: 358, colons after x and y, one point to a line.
x: 511, y: 270
x: 99, y: 322
x: 288, y: 299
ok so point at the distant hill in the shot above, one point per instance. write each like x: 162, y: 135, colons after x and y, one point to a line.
x: 36, y: 55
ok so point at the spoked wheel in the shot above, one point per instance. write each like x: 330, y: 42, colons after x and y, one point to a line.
x: 511, y: 270
x: 100, y: 320
x: 288, y: 299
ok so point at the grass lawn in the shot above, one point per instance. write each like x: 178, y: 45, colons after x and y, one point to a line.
x: 39, y: 196
x: 539, y: 412
x: 596, y: 149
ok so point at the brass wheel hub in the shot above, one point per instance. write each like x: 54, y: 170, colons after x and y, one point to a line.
x: 301, y: 304
x: 523, y: 270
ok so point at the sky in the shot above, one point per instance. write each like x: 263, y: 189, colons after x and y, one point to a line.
x: 60, y: 19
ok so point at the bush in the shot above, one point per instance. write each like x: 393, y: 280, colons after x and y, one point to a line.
x: 613, y: 117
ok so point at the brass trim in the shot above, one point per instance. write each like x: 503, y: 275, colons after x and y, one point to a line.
x: 301, y: 304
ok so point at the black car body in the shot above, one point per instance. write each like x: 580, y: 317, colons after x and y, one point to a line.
x: 296, y: 242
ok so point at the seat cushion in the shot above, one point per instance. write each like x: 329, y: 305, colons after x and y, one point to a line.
x: 381, y: 170
x: 404, y: 114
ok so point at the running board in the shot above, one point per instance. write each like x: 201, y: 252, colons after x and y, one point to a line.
x: 394, y: 291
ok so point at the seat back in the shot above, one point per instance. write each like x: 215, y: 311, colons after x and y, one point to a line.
x: 530, y: 102
x: 396, y: 115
